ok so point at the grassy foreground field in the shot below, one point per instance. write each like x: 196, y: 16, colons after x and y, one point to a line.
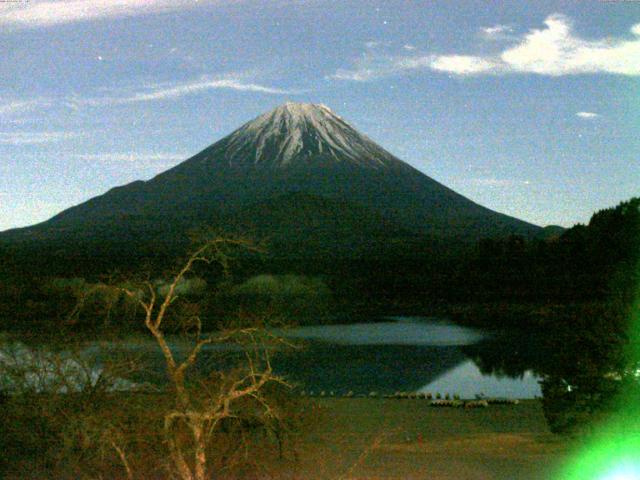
x: 368, y: 438
x: 337, y: 439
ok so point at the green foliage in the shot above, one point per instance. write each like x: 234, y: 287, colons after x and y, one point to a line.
x: 190, y: 287
x: 295, y: 298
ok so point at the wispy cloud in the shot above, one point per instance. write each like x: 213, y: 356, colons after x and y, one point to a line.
x: 138, y: 158
x: 497, y: 32
x: 587, y: 115
x: 19, y: 106
x: 373, y: 63
x: 176, y: 90
x: 499, y: 182
x: 188, y: 88
x: 371, y: 44
x: 369, y: 66
x: 554, y: 50
x: 39, y: 13
x: 12, y: 110
x: 129, y: 157
x: 20, y: 210
x: 30, y: 138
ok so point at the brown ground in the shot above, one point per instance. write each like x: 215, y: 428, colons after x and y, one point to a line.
x: 366, y: 438
x: 373, y: 438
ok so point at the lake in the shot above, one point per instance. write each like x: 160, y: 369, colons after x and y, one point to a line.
x: 407, y: 354
x: 399, y: 354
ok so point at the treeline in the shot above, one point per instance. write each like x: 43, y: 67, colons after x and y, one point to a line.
x: 506, y: 276
x: 83, y: 307
x: 581, y: 337
x: 586, y: 263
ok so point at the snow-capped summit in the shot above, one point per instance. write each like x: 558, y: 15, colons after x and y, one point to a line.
x: 299, y: 175
x: 298, y: 132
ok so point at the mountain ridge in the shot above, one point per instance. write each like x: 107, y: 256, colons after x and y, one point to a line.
x: 293, y: 149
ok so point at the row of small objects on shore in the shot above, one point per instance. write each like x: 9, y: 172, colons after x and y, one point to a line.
x: 436, y: 400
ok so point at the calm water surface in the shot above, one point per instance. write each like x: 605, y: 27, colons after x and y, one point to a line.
x: 403, y: 354
x: 408, y: 354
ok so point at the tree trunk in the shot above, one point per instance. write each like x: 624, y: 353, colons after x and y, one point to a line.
x: 176, y: 452
x: 200, y: 451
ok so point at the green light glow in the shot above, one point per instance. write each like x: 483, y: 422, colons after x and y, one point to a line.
x: 616, y: 458
x: 624, y: 472
x: 613, y: 452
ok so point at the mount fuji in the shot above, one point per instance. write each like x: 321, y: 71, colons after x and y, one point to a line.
x: 299, y: 175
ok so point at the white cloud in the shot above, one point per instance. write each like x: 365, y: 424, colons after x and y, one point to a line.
x: 39, y: 13
x: 462, y: 64
x: 176, y: 90
x: 370, y: 67
x: 409, y: 47
x: 31, y: 138
x: 554, y: 50
x: 587, y: 115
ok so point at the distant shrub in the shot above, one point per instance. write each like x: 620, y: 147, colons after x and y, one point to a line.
x: 284, y: 286
x: 298, y: 298
x: 86, y: 305
x: 194, y: 286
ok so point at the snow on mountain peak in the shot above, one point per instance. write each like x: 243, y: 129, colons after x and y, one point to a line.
x: 302, y: 131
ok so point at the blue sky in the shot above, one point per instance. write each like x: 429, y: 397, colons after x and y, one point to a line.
x: 529, y: 108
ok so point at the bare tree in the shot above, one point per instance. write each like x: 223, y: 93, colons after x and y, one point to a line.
x: 200, y: 411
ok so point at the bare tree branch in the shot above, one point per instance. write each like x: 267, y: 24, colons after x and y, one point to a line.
x: 198, y: 417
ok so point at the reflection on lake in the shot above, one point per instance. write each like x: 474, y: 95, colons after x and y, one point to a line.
x: 408, y: 354
x: 400, y: 354
x: 467, y: 381
x: 401, y: 331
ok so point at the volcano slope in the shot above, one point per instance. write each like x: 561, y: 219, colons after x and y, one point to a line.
x: 299, y: 176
